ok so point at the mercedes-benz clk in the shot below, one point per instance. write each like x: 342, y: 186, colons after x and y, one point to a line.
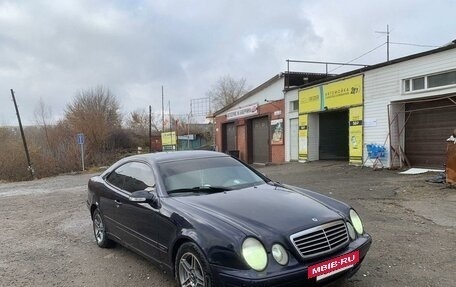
x: 211, y: 220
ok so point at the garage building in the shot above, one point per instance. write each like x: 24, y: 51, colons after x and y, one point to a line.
x: 253, y: 127
x: 393, y: 114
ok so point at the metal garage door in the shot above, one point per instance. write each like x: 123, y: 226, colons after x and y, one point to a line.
x: 334, y: 135
x: 294, y: 139
x: 229, y: 137
x: 260, y: 140
x: 429, y: 125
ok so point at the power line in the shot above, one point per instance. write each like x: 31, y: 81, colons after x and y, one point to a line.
x: 370, y: 51
x: 416, y: 45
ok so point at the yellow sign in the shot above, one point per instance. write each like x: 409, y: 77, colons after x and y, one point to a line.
x: 309, y: 100
x: 302, y: 134
x: 343, y: 93
x: 168, y: 138
x: 356, y: 135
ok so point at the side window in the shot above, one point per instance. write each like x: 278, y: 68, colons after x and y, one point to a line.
x: 132, y: 176
x: 138, y: 176
x: 117, y: 177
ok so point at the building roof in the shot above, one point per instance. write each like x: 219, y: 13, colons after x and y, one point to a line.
x: 446, y: 47
x: 299, y: 80
x: 292, y: 79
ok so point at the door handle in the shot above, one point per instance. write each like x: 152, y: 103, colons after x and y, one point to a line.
x: 118, y: 202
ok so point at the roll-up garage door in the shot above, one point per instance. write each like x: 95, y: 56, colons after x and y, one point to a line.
x: 229, y: 137
x: 260, y: 140
x: 334, y: 135
x: 430, y: 123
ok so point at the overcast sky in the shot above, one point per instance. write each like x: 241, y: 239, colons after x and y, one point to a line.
x: 53, y: 49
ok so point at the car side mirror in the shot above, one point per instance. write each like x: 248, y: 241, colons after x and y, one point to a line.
x: 144, y: 196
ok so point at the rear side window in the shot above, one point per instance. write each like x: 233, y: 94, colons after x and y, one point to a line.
x: 132, y: 176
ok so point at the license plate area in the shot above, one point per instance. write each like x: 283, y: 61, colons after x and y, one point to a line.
x: 333, y: 266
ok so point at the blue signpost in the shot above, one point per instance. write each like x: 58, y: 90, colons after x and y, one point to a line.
x: 80, y: 140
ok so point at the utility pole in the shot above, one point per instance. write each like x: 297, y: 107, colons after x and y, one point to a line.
x: 387, y: 41
x: 30, y: 168
x: 169, y: 114
x: 150, y: 128
x: 163, y: 113
x: 188, y: 125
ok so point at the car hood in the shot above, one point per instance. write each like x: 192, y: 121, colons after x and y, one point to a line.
x: 264, y: 210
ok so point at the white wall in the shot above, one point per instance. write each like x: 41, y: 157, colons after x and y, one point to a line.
x: 274, y: 92
x: 289, y: 97
x: 384, y: 85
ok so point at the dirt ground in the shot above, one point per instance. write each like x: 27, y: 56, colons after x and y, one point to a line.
x: 46, y: 234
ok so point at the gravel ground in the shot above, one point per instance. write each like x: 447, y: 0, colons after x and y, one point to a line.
x: 46, y: 236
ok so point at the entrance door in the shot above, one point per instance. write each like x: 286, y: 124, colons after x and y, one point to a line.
x: 229, y: 137
x: 260, y: 140
x: 334, y: 135
x: 294, y: 139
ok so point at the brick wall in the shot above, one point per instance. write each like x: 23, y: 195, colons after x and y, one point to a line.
x: 277, y: 152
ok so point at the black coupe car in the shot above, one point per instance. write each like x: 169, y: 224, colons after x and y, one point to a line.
x: 212, y: 220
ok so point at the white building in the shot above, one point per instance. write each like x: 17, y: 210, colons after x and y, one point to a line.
x: 392, y: 114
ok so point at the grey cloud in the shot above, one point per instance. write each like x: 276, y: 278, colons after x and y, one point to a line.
x: 52, y: 49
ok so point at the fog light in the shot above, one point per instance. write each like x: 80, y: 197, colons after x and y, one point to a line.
x: 280, y: 254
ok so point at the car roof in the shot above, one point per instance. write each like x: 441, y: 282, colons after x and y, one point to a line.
x: 175, y: 156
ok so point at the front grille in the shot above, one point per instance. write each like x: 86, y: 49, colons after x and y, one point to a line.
x: 321, y: 240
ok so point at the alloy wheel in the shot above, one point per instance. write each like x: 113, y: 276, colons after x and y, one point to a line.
x: 98, y: 228
x: 191, y: 273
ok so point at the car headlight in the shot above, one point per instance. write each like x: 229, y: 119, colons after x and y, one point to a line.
x: 351, y: 231
x: 280, y: 254
x: 356, y: 221
x: 254, y: 254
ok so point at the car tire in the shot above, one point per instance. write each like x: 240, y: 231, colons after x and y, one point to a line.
x: 192, y: 267
x: 99, y: 231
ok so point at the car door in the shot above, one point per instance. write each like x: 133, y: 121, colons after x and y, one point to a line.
x: 141, y: 217
x: 115, y: 205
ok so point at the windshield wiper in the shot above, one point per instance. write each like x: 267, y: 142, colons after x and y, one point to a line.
x: 198, y: 189
x: 275, y: 184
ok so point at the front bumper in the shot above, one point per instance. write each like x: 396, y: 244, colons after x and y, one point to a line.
x: 295, y: 275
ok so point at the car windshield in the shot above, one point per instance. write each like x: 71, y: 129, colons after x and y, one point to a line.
x: 206, y: 175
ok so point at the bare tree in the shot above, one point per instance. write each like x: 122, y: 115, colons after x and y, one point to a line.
x: 94, y: 112
x: 137, y: 126
x: 138, y: 121
x: 43, y: 117
x: 226, y: 90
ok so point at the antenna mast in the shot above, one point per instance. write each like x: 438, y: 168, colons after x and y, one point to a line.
x: 387, y: 32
